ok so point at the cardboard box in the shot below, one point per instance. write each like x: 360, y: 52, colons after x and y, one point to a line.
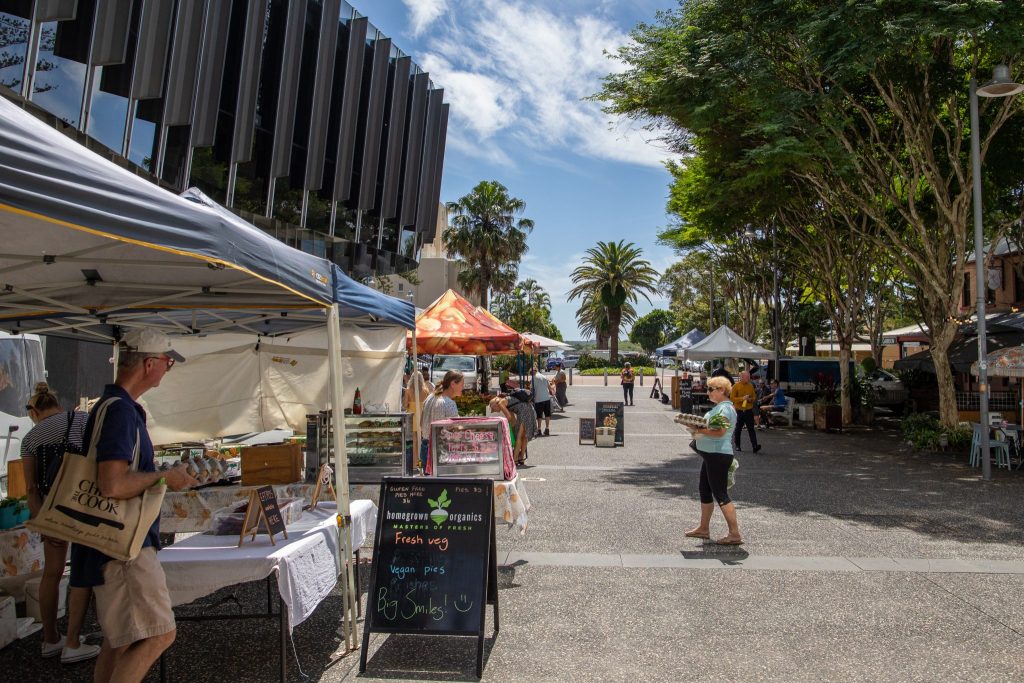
x: 8, y: 621
x: 279, y: 464
x: 32, y: 597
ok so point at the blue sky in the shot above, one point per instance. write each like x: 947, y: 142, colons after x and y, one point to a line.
x: 515, y: 73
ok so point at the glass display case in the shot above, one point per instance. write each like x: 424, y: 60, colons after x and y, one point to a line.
x: 378, y: 439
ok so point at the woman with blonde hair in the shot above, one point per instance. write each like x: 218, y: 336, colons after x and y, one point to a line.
x: 714, y: 444
x: 55, y: 432
x: 440, y: 405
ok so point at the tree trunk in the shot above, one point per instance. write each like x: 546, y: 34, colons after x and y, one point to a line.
x: 614, y: 318
x: 844, y: 381
x: 941, y: 340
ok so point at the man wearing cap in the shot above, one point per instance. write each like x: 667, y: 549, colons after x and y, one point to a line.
x: 132, y: 603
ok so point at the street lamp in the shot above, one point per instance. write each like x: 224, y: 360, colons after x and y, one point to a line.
x: 1001, y: 85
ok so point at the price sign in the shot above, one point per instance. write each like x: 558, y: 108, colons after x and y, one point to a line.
x: 262, y: 509
x: 434, y: 560
x: 587, y: 433
x: 612, y: 414
x: 686, y: 395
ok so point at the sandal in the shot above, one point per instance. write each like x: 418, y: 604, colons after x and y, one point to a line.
x: 697, y: 534
x: 729, y: 540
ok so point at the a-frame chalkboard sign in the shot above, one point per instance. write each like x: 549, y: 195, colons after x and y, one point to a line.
x: 434, y: 561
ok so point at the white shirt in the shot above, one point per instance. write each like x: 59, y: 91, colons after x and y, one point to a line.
x: 541, y: 391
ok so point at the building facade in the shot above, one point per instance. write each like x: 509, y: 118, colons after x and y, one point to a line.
x: 297, y: 114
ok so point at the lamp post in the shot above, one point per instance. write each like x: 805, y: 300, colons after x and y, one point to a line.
x: 1001, y: 85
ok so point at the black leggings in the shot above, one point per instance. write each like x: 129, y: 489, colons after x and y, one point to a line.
x: 627, y: 392
x: 714, y: 477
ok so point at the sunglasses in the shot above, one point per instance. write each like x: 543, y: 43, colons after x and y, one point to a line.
x: 30, y: 408
x: 167, y: 359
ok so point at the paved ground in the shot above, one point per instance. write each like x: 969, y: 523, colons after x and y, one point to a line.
x: 863, y: 562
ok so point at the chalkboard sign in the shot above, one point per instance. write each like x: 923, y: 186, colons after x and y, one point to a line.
x: 611, y: 414
x: 587, y: 425
x: 434, y: 560
x: 467, y: 446
x: 262, y: 508
x: 686, y: 395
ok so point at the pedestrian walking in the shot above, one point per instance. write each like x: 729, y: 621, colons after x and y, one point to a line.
x: 715, y: 449
x: 744, y: 399
x: 627, y: 376
x: 561, y: 382
x: 56, y: 431
x: 541, y: 400
x: 133, y: 605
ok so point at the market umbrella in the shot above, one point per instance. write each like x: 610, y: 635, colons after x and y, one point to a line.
x: 1008, y: 362
x: 542, y: 343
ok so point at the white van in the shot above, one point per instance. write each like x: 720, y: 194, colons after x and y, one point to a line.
x: 467, y: 365
x: 21, y: 367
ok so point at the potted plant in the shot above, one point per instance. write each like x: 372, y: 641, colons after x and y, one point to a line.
x: 23, y: 513
x: 828, y: 414
x: 862, y: 396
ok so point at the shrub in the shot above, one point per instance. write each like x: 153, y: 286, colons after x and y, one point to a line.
x: 922, y: 432
x: 869, y: 365
x: 587, y: 362
x: 614, y: 372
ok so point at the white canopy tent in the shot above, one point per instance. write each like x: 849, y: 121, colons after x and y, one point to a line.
x: 271, y: 382
x: 724, y: 343
x: 542, y: 343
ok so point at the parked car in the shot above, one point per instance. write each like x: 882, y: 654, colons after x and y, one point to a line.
x: 467, y: 365
x: 890, y: 390
x: 567, y: 361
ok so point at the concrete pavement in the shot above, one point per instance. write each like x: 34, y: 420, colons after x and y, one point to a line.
x: 863, y: 562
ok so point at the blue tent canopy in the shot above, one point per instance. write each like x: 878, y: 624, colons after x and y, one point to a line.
x: 672, y: 349
x: 356, y: 299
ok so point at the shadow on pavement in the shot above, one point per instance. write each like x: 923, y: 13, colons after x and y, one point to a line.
x: 867, y: 481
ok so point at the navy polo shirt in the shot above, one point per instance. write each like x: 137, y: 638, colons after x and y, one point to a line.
x: 124, y: 422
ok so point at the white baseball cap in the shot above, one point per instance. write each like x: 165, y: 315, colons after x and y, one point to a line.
x: 151, y: 341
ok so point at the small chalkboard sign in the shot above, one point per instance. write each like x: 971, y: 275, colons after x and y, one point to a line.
x: 262, y: 508
x: 612, y: 414
x: 434, y: 560
x: 587, y: 433
x: 686, y: 395
x: 656, y: 389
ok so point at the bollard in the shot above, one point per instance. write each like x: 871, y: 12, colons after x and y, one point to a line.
x: 606, y: 376
x: 641, y: 376
x: 570, y: 377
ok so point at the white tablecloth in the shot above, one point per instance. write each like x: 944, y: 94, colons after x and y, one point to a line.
x: 306, y: 563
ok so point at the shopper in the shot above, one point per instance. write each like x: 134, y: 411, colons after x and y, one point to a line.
x: 520, y: 405
x: 744, y: 399
x: 55, y: 432
x: 132, y: 603
x: 715, y: 449
x: 541, y: 399
x: 627, y: 376
x: 440, y: 405
x: 561, y: 383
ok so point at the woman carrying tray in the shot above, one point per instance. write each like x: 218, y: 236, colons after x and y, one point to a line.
x: 714, y: 444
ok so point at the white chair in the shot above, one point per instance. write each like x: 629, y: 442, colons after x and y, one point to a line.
x: 788, y: 413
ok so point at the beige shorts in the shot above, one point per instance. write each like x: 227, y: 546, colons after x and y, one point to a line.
x: 133, y: 602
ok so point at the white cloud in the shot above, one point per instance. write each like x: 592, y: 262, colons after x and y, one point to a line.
x: 520, y: 72
x: 423, y: 13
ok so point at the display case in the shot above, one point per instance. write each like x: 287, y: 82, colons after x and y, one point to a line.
x: 378, y: 439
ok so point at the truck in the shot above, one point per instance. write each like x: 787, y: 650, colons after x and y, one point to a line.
x: 21, y: 367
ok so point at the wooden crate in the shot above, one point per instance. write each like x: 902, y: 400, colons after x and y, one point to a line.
x: 278, y: 464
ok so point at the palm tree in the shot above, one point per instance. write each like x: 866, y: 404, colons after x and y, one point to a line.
x: 487, y: 238
x: 489, y: 241
x: 592, y: 319
x: 533, y: 293
x: 614, y: 274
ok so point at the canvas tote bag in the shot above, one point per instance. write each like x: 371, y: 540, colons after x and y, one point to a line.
x: 75, y: 510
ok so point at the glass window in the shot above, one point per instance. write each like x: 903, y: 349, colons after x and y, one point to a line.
x: 14, y: 30
x: 60, y: 65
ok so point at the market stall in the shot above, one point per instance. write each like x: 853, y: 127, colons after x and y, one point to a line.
x: 91, y: 250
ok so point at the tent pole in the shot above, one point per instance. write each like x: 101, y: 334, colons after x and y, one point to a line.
x: 416, y: 436
x: 341, y: 479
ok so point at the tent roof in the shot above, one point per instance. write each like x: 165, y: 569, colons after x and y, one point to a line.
x: 684, y: 342
x: 543, y: 343
x: 452, y: 325
x: 354, y: 298
x: 87, y: 242
x: 962, y: 352
x: 724, y: 343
